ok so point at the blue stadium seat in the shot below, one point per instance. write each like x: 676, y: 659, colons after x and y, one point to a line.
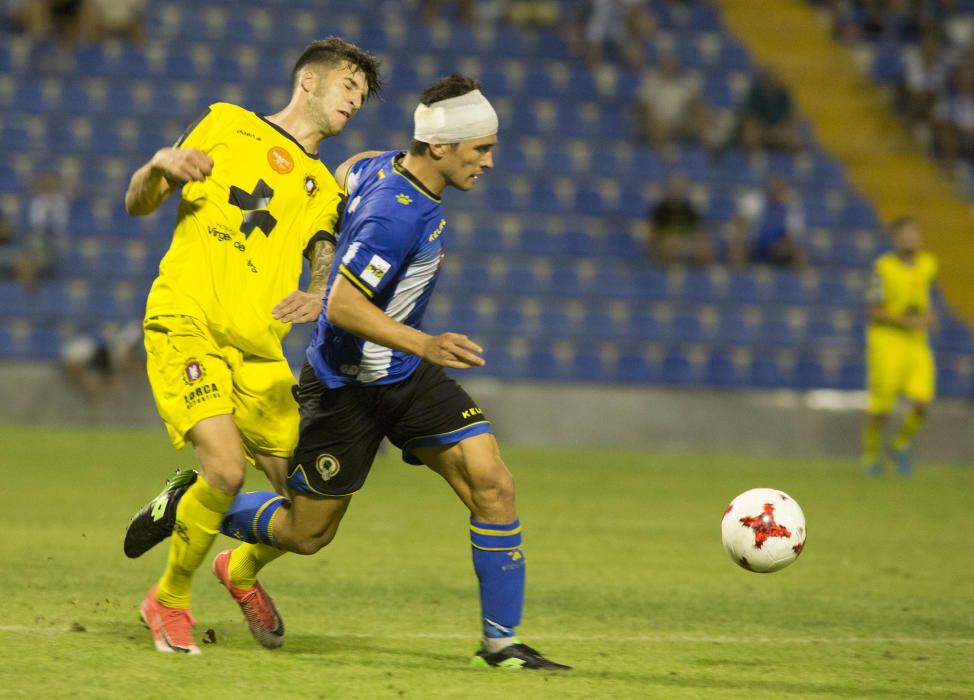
x: 775, y: 330
x: 649, y: 284
x: 557, y: 322
x: 634, y: 367
x: 538, y: 82
x: 537, y: 241
x: 717, y: 91
x: 9, y: 180
x: 44, y: 343
x: 676, y: 368
x: 887, y: 66
x: 733, y: 56
x: 686, y: 327
x: 541, y: 363
x: 734, y: 327
x: 765, y: 372
x: 743, y: 288
x: 588, y: 365
x: 852, y: 374
x: 809, y: 373
x: 647, y: 326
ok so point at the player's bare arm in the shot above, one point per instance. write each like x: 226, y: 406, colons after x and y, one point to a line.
x: 167, y: 170
x: 349, y: 309
x: 304, y: 307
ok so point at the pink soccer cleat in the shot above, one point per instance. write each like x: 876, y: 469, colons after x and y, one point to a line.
x: 262, y: 618
x: 172, y: 628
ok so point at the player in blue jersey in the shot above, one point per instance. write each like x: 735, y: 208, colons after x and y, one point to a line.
x: 371, y: 373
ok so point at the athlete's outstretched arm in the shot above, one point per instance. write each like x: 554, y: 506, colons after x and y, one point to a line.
x: 341, y: 172
x: 350, y: 310
x: 303, y: 307
x: 167, y: 170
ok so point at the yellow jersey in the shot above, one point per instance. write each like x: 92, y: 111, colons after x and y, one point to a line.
x: 240, y: 234
x: 901, y: 289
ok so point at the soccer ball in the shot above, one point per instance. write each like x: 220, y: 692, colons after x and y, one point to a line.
x: 763, y: 530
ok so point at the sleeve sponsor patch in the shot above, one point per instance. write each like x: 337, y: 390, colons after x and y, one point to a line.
x: 375, y: 270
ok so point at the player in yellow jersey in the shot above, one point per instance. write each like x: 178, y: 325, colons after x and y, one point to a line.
x: 254, y: 198
x: 899, y: 358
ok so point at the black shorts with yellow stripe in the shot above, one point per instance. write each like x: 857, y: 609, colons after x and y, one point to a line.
x: 341, y: 429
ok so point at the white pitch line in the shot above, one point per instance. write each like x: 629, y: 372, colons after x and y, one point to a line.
x: 568, y: 637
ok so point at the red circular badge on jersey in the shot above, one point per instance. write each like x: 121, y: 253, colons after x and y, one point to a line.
x: 280, y: 160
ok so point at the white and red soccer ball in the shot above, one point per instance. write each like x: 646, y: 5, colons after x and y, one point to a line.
x: 763, y: 530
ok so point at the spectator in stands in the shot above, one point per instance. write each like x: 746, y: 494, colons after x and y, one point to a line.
x: 47, y: 230
x: 35, y: 255
x: 9, y: 250
x: 621, y: 26
x: 769, y: 116
x: 466, y: 10
x: 924, y: 77
x: 532, y: 13
x: 875, y: 20
x: 956, y: 27
x: 94, y: 362
x: 78, y: 20
x: 118, y: 18
x: 954, y: 116
x: 676, y: 231
x: 767, y: 228
x: 669, y: 105
x: 47, y: 18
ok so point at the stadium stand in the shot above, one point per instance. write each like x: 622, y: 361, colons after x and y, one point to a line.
x: 546, y: 264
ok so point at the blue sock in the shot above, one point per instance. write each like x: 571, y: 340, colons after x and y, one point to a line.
x: 249, y: 517
x: 499, y: 563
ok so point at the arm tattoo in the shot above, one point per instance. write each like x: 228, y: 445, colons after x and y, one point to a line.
x: 321, y: 259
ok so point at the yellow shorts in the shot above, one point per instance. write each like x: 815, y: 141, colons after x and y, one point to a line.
x: 196, y: 374
x: 899, y: 368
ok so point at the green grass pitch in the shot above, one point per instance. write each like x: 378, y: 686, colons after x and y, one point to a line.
x: 627, y: 581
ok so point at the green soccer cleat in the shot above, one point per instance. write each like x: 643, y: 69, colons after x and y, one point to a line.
x: 514, y: 658
x: 155, y: 521
x: 874, y: 468
x: 904, y: 461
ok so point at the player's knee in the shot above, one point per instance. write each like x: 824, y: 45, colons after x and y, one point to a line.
x: 493, y: 490
x: 312, y: 541
x: 226, y: 475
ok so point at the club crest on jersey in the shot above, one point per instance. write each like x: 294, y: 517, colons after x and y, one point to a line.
x: 375, y: 270
x: 193, y: 372
x: 280, y: 160
x: 327, y: 466
x: 404, y: 198
x: 310, y: 185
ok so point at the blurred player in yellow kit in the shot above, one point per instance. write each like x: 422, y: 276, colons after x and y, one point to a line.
x: 254, y: 198
x: 898, y: 354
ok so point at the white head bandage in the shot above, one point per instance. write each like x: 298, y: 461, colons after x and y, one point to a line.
x: 456, y: 119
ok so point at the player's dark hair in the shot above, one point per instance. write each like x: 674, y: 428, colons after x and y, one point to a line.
x: 452, y: 85
x: 334, y: 51
x: 899, y: 222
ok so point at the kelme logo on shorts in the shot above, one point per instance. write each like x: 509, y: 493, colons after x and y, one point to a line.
x: 327, y: 466
x: 193, y: 372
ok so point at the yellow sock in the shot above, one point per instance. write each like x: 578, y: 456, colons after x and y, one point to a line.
x: 911, y: 424
x: 246, y: 560
x: 871, y: 439
x: 198, y: 518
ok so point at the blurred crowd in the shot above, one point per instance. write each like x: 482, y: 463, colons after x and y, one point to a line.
x: 77, y: 21
x: 936, y: 84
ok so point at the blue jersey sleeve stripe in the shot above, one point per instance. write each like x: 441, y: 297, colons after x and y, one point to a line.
x: 355, y: 280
